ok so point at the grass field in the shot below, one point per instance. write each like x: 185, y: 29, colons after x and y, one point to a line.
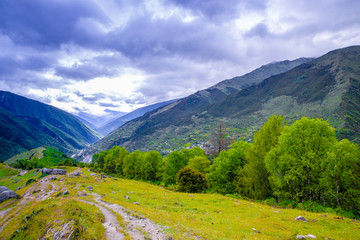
x: 187, y: 216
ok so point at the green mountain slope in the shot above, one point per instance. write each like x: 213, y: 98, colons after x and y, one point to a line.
x: 26, y: 124
x: 177, y: 123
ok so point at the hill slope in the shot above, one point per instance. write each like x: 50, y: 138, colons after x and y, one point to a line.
x: 89, y: 214
x: 115, y: 124
x: 26, y: 124
x: 173, y: 125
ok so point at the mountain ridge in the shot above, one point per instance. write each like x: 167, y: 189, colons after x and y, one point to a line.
x: 180, y: 113
x: 26, y: 124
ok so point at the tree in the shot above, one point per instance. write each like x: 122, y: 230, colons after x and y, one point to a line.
x: 151, y: 163
x: 224, y: 170
x: 295, y: 163
x: 178, y: 160
x: 200, y: 163
x: 220, y: 140
x: 253, y: 179
x: 341, y: 175
x: 190, y: 180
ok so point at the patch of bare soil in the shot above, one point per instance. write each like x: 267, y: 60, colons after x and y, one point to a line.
x: 138, y: 227
x: 111, y: 225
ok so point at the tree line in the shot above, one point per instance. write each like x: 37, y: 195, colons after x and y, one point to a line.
x: 302, y: 163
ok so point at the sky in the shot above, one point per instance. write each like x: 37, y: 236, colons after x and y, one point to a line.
x: 100, y: 56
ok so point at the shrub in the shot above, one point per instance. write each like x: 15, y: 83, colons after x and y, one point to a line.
x: 190, y: 180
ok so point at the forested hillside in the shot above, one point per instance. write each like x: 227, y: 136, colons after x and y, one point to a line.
x: 27, y: 124
x: 172, y: 126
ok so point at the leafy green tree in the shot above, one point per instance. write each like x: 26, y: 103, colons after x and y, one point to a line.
x: 253, y: 179
x: 200, y: 163
x: 190, y: 180
x: 151, y: 163
x: 341, y: 175
x: 178, y: 160
x: 295, y: 163
x: 131, y: 164
x: 224, y: 170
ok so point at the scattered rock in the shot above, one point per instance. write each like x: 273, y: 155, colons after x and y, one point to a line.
x: 255, y: 231
x: 18, y: 188
x: 340, y: 218
x: 6, y: 193
x: 103, y: 176
x: 355, y: 221
x: 66, y: 192
x: 127, y: 197
x: 75, y: 173
x: 53, y: 171
x: 113, y: 192
x: 300, y: 218
x: 114, y: 178
x: 136, y: 203
x: 52, y: 178
x: 90, y: 188
x: 191, y: 196
x: 92, y: 174
x: 309, y: 236
x: 81, y: 194
x: 300, y: 237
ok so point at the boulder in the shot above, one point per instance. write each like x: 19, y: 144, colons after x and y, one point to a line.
x: 103, y: 176
x: 53, y: 171
x: 75, y: 173
x: 6, y: 193
x: 300, y: 237
x: 310, y: 236
x: 300, y: 218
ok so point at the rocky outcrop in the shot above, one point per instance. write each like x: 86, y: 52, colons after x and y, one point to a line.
x: 6, y: 193
x: 53, y: 171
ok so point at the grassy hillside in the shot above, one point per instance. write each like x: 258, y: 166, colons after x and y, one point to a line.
x: 180, y: 215
x: 26, y: 124
x: 178, y: 123
x: 39, y: 158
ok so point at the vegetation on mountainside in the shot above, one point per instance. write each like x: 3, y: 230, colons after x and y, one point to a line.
x: 185, y: 121
x: 300, y: 162
x: 40, y: 158
x: 27, y: 124
x: 327, y: 88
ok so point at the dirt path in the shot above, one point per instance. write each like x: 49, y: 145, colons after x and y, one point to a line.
x: 111, y: 224
x: 42, y: 186
x: 138, y: 228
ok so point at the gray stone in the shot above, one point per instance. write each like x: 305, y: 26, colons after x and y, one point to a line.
x: 66, y: 192
x: 300, y: 218
x: 75, y: 173
x: 6, y: 193
x: 300, y: 237
x: 81, y: 194
x: 92, y: 174
x: 103, y: 176
x: 52, y: 178
x: 310, y: 236
x: 127, y: 197
x: 18, y: 188
x: 136, y: 203
x: 90, y: 188
x: 53, y: 171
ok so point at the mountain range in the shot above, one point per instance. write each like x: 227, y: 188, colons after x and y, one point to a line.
x: 27, y: 124
x: 185, y: 121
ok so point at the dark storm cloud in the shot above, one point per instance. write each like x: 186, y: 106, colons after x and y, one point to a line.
x: 177, y: 46
x: 43, y: 23
x: 218, y: 10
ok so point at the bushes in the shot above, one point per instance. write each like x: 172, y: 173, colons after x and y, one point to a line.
x: 190, y: 180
